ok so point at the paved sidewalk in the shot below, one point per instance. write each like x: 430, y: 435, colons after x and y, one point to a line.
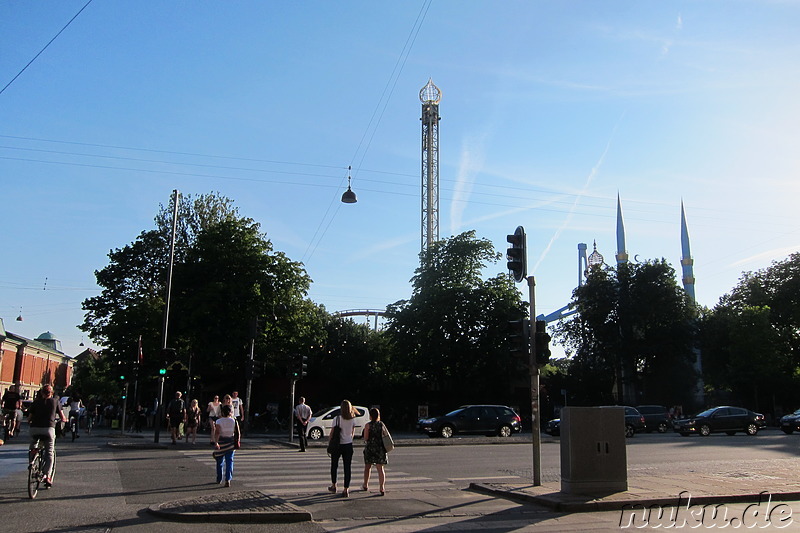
x: 682, y: 489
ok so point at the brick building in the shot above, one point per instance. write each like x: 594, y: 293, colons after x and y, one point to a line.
x: 31, y: 363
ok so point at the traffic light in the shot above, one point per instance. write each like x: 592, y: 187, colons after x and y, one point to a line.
x: 519, y: 335
x: 517, y: 254
x: 248, y: 369
x: 258, y: 368
x: 167, y: 355
x: 542, y: 340
x: 302, y: 365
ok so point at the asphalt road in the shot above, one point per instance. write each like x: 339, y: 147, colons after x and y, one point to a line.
x: 99, y: 488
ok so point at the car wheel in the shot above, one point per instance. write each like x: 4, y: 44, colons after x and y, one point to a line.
x: 731, y: 433
x: 446, y: 431
x: 505, y: 431
x: 788, y: 431
x: 662, y: 427
x: 752, y: 429
x: 629, y: 431
x: 705, y: 430
x: 315, y: 433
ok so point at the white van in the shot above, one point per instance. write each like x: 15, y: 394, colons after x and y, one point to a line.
x: 320, y: 424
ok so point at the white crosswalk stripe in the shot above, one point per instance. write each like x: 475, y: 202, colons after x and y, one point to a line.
x: 285, y: 472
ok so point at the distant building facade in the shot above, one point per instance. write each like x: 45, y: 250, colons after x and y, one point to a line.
x: 31, y: 363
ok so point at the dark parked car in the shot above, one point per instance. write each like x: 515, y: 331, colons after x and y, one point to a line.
x: 634, y: 423
x: 790, y: 423
x: 482, y: 419
x: 553, y: 427
x: 656, y: 418
x: 723, y: 419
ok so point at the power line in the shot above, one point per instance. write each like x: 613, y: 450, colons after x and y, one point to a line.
x: 45, y: 47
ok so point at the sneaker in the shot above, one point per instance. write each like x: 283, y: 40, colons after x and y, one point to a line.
x: 48, y: 482
x: 227, y: 484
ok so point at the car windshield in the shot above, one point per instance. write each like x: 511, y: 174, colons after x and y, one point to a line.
x: 454, y: 413
x: 321, y: 412
x: 707, y: 412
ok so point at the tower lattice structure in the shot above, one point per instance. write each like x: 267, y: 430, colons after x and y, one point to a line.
x: 430, y: 96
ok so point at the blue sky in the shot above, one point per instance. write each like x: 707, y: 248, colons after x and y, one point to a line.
x: 549, y: 110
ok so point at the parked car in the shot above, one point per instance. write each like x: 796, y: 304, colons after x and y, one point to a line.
x: 553, y: 427
x: 723, y: 419
x: 791, y: 422
x: 321, y: 422
x: 482, y: 419
x: 656, y: 418
x: 634, y: 423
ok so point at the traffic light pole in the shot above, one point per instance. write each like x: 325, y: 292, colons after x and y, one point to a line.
x: 536, y: 426
x: 291, y: 410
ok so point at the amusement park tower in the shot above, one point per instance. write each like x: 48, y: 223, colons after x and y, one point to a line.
x: 430, y: 96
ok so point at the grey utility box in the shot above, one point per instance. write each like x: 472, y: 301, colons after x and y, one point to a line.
x: 593, y: 457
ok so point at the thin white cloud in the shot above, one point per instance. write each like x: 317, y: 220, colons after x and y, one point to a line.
x: 778, y: 254
x: 471, y: 162
x: 679, y: 24
x: 578, y: 197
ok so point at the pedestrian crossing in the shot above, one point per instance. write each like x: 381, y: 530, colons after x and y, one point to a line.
x: 284, y: 472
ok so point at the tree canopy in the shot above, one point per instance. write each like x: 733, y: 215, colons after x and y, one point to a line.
x: 631, y: 340
x: 450, y: 336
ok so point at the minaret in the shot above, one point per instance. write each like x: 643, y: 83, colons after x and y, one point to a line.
x: 622, y: 253
x: 430, y: 96
x: 687, y: 263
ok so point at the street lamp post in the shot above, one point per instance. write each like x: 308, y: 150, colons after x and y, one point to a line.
x: 160, y: 410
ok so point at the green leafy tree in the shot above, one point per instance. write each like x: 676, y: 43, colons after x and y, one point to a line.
x: 226, y: 275
x: 751, y: 339
x: 450, y: 336
x: 632, y: 338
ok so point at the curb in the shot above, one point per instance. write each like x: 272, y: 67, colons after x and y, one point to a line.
x: 232, y: 507
x: 560, y: 502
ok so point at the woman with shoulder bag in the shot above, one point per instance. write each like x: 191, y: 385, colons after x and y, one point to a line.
x: 226, y: 440
x: 374, y: 450
x: 346, y: 422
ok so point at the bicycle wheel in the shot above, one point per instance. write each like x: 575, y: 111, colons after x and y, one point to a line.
x: 35, y: 475
x: 73, y: 427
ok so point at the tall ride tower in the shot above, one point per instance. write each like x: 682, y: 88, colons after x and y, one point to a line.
x: 430, y: 96
x: 687, y: 263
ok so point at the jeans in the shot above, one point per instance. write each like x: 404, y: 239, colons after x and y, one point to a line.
x: 49, y: 437
x: 228, y: 459
x: 346, y: 453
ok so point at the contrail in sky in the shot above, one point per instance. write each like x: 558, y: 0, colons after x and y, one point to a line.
x: 583, y: 190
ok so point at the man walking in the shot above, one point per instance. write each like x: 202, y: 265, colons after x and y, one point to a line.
x: 302, y: 413
x: 176, y: 413
x: 238, y: 406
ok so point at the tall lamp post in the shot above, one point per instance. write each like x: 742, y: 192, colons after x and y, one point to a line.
x: 160, y: 411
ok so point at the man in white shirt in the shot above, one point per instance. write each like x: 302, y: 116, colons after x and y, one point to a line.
x: 302, y: 413
x: 238, y: 406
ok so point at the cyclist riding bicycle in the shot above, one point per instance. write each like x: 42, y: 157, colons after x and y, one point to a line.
x: 42, y: 418
x: 12, y: 408
x: 76, y: 410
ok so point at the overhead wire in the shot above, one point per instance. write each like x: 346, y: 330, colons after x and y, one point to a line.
x: 45, y: 47
x: 391, y: 82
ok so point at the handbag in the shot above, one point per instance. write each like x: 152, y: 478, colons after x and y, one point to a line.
x: 334, y: 443
x: 237, y: 438
x: 388, y: 443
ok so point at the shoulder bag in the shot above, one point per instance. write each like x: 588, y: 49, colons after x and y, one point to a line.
x: 335, y: 441
x: 388, y: 443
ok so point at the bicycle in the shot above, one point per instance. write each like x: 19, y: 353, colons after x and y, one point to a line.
x: 89, y: 423
x: 73, y: 427
x: 36, y: 473
x: 9, y: 421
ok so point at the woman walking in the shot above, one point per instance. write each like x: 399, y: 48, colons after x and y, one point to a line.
x: 192, y: 421
x: 374, y: 452
x: 346, y: 422
x: 213, y: 411
x: 226, y: 434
